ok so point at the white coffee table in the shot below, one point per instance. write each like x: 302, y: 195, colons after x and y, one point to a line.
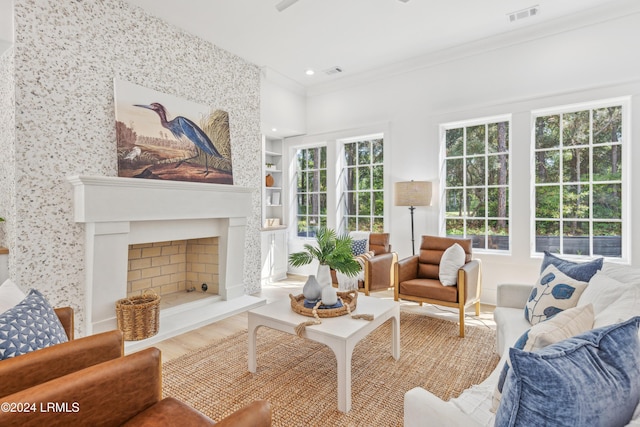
x: 341, y: 334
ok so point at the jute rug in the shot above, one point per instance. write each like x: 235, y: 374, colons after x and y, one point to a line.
x: 298, y: 376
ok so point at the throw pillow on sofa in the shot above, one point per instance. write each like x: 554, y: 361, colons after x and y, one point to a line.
x: 553, y: 293
x: 592, y: 379
x: 582, y: 271
x: 30, y: 325
x: 564, y: 325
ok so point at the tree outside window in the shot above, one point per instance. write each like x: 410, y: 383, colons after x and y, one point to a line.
x: 477, y: 182
x: 578, y: 182
x: 364, y: 185
x: 311, y: 190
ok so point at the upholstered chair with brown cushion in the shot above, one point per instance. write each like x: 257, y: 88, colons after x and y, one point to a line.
x: 378, y: 269
x: 417, y: 278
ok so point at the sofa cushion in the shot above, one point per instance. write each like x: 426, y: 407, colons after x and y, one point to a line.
x: 10, y: 295
x: 30, y: 325
x: 623, y: 308
x: 622, y: 273
x: 555, y: 385
x: 602, y: 292
x: 554, y: 292
x: 564, y: 325
x: 582, y: 271
x: 452, y: 259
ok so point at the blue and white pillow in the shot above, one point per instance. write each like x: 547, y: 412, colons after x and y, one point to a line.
x: 566, y: 324
x: 30, y: 325
x: 592, y: 379
x: 582, y: 271
x: 554, y: 292
x: 358, y: 247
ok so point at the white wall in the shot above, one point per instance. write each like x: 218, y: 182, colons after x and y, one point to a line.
x: 586, y: 63
x: 282, y: 105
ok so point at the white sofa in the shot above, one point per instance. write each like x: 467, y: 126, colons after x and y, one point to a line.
x: 473, y: 406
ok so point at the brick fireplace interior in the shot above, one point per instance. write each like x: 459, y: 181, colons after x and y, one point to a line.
x: 175, y: 267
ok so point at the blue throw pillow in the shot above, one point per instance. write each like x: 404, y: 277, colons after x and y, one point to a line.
x: 582, y: 271
x: 29, y: 326
x: 358, y: 247
x: 592, y: 379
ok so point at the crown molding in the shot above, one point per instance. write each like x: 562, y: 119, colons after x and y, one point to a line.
x: 586, y: 18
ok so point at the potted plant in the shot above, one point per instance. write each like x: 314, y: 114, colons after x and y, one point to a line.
x: 332, y: 251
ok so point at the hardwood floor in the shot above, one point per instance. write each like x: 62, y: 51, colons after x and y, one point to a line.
x: 182, y: 344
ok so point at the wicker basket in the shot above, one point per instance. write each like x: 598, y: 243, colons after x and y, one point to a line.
x: 139, y: 316
x: 350, y: 298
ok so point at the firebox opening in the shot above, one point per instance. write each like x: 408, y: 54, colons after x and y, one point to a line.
x: 175, y: 270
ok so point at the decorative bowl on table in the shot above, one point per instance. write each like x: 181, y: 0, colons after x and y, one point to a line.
x: 349, y: 299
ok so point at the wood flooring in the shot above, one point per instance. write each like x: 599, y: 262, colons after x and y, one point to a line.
x: 187, y: 342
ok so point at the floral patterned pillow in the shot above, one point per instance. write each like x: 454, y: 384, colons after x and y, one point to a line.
x: 554, y: 292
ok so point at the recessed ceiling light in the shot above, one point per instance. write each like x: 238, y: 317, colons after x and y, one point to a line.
x: 274, y: 129
x: 309, y: 72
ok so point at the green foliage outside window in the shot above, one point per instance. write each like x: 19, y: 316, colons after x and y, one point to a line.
x: 578, y: 182
x: 477, y: 184
x: 364, y: 185
x: 311, y: 190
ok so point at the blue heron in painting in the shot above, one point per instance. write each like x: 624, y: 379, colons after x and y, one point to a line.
x: 185, y: 130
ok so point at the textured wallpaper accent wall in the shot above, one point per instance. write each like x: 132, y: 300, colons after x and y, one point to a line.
x: 7, y: 144
x: 67, y: 53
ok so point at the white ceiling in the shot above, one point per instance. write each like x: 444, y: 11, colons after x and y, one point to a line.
x: 357, y: 35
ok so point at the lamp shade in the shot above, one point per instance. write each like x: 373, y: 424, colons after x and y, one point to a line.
x: 412, y: 193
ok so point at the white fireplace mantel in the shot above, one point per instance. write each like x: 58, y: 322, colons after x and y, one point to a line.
x: 118, y: 212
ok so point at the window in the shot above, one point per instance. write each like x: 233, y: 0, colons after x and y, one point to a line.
x: 364, y: 185
x: 578, y: 187
x: 477, y: 182
x: 311, y: 193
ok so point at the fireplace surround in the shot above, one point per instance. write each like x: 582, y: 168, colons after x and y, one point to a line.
x: 118, y: 212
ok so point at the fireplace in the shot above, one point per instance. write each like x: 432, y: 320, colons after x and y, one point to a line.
x: 119, y: 212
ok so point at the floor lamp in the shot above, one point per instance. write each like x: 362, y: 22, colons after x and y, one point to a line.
x: 412, y: 194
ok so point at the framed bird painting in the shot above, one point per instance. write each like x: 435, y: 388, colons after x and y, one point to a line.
x: 161, y: 136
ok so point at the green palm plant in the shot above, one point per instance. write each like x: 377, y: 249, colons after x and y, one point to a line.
x: 332, y: 249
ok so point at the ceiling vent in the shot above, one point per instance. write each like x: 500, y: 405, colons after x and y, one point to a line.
x: 524, y: 13
x: 333, y: 70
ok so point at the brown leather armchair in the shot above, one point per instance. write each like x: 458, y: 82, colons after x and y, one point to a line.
x: 123, y: 391
x: 59, y: 360
x: 417, y: 277
x: 378, y: 270
x: 109, y: 389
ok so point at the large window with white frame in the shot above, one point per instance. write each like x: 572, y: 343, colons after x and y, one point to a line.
x: 363, y: 177
x: 311, y: 190
x: 577, y: 163
x: 477, y: 181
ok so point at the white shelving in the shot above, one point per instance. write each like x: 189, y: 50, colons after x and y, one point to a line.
x: 273, y: 196
x: 274, y: 232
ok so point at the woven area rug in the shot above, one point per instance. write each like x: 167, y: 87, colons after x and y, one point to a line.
x: 298, y: 376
